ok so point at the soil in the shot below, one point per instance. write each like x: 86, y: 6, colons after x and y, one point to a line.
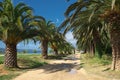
x: 68, y: 69
x: 3, y: 71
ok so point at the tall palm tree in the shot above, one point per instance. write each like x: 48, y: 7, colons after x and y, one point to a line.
x: 108, y: 13
x: 111, y: 17
x: 16, y: 24
x: 86, y: 33
x: 45, y: 34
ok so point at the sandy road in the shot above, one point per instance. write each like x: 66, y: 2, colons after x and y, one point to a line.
x: 59, y: 70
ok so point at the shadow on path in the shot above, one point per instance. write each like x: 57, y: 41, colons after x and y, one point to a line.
x: 63, y: 65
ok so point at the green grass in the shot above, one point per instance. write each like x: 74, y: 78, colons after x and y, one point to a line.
x: 101, y: 67
x: 97, y: 61
x: 1, y: 59
x: 105, y: 60
x: 30, y: 61
x: 52, y: 56
x: 25, y: 62
x: 8, y: 77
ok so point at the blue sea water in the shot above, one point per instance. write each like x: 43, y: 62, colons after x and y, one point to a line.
x: 30, y: 47
x: 2, y: 50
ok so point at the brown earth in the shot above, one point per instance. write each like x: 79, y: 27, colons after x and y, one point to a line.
x: 67, y: 69
x: 3, y: 71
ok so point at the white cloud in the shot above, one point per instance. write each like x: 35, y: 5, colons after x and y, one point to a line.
x: 70, y: 38
x: 57, y: 20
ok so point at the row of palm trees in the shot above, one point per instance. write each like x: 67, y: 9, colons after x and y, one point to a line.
x: 18, y: 23
x: 50, y: 37
x: 95, y: 25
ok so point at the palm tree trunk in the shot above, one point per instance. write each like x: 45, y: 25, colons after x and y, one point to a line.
x: 115, y: 40
x: 56, y: 51
x: 98, y: 45
x: 44, y: 48
x: 10, y: 56
x: 92, y: 50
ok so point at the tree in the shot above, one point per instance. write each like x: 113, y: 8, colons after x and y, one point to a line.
x: 59, y: 44
x: 16, y: 24
x: 55, y: 41
x: 108, y: 13
x: 111, y: 17
x: 49, y: 36
x: 87, y: 33
x: 44, y: 35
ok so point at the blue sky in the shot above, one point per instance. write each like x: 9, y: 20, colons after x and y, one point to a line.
x: 51, y: 10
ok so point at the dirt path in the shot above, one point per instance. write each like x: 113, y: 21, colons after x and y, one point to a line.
x: 60, y: 70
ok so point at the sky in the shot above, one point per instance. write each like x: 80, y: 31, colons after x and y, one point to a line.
x: 51, y: 10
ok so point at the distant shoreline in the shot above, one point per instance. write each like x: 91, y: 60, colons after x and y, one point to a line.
x: 2, y: 50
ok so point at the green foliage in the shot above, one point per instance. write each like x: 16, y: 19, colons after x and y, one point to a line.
x: 99, y: 66
x: 101, y: 61
x: 1, y: 59
x: 17, y: 22
x: 108, y: 50
x: 30, y: 61
x: 34, y: 51
x: 105, y: 60
x: 7, y: 77
x: 83, y: 20
x: 64, y: 47
x: 25, y: 51
x: 51, y: 51
x: 25, y: 61
x: 60, y: 56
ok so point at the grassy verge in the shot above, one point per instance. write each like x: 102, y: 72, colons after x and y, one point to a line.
x: 25, y: 62
x: 99, y: 66
x: 1, y: 59
x: 30, y: 61
x: 56, y: 57
x: 7, y: 77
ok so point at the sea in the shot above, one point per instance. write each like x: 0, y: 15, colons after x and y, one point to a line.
x: 30, y: 51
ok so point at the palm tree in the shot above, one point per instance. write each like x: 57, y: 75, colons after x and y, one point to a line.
x: 111, y: 17
x: 59, y: 44
x: 108, y: 13
x: 55, y: 41
x: 44, y: 35
x: 86, y: 33
x: 16, y: 24
x: 49, y: 36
